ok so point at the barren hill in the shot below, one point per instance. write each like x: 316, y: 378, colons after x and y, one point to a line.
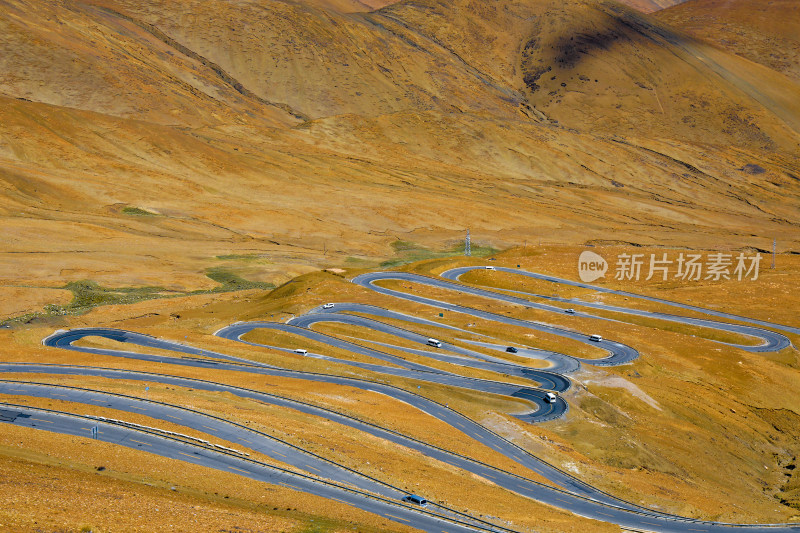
x: 764, y: 32
x: 140, y: 141
x: 608, y: 68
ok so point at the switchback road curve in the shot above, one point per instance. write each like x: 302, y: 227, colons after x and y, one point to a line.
x: 770, y: 341
x: 618, y: 353
x: 545, y: 411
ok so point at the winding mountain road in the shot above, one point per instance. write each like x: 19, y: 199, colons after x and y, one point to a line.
x: 573, y: 494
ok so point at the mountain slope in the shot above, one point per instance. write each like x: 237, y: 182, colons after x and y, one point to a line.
x: 611, y: 69
x: 153, y: 138
x: 83, y: 58
x: 320, y: 62
x: 764, y: 32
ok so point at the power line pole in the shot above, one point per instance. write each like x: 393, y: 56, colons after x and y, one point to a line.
x: 774, y: 244
x: 467, y: 246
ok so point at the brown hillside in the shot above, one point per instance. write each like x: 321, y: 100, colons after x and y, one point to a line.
x: 138, y: 142
x: 605, y: 68
x: 320, y: 62
x: 764, y: 32
x: 83, y: 58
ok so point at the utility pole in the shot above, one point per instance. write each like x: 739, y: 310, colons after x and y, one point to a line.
x: 467, y: 246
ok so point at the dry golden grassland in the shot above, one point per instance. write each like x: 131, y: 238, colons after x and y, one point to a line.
x: 213, y: 180
x: 409, y: 470
x: 54, y: 482
x: 15, y: 301
x: 760, y: 33
x: 371, y: 455
x: 364, y: 405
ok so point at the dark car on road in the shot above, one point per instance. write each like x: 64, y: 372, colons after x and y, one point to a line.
x: 413, y: 498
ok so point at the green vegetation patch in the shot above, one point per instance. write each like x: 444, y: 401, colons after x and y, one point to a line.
x: 404, y: 246
x: 358, y: 262
x: 261, y: 258
x: 230, y: 281
x: 137, y: 212
x: 87, y: 294
x: 409, y: 252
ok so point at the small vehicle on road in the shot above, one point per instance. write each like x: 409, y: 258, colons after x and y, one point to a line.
x: 413, y: 498
x: 511, y: 349
x: 489, y: 267
x: 595, y: 338
x: 301, y: 351
x: 570, y: 311
x: 327, y: 306
x: 550, y: 397
x: 435, y: 343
